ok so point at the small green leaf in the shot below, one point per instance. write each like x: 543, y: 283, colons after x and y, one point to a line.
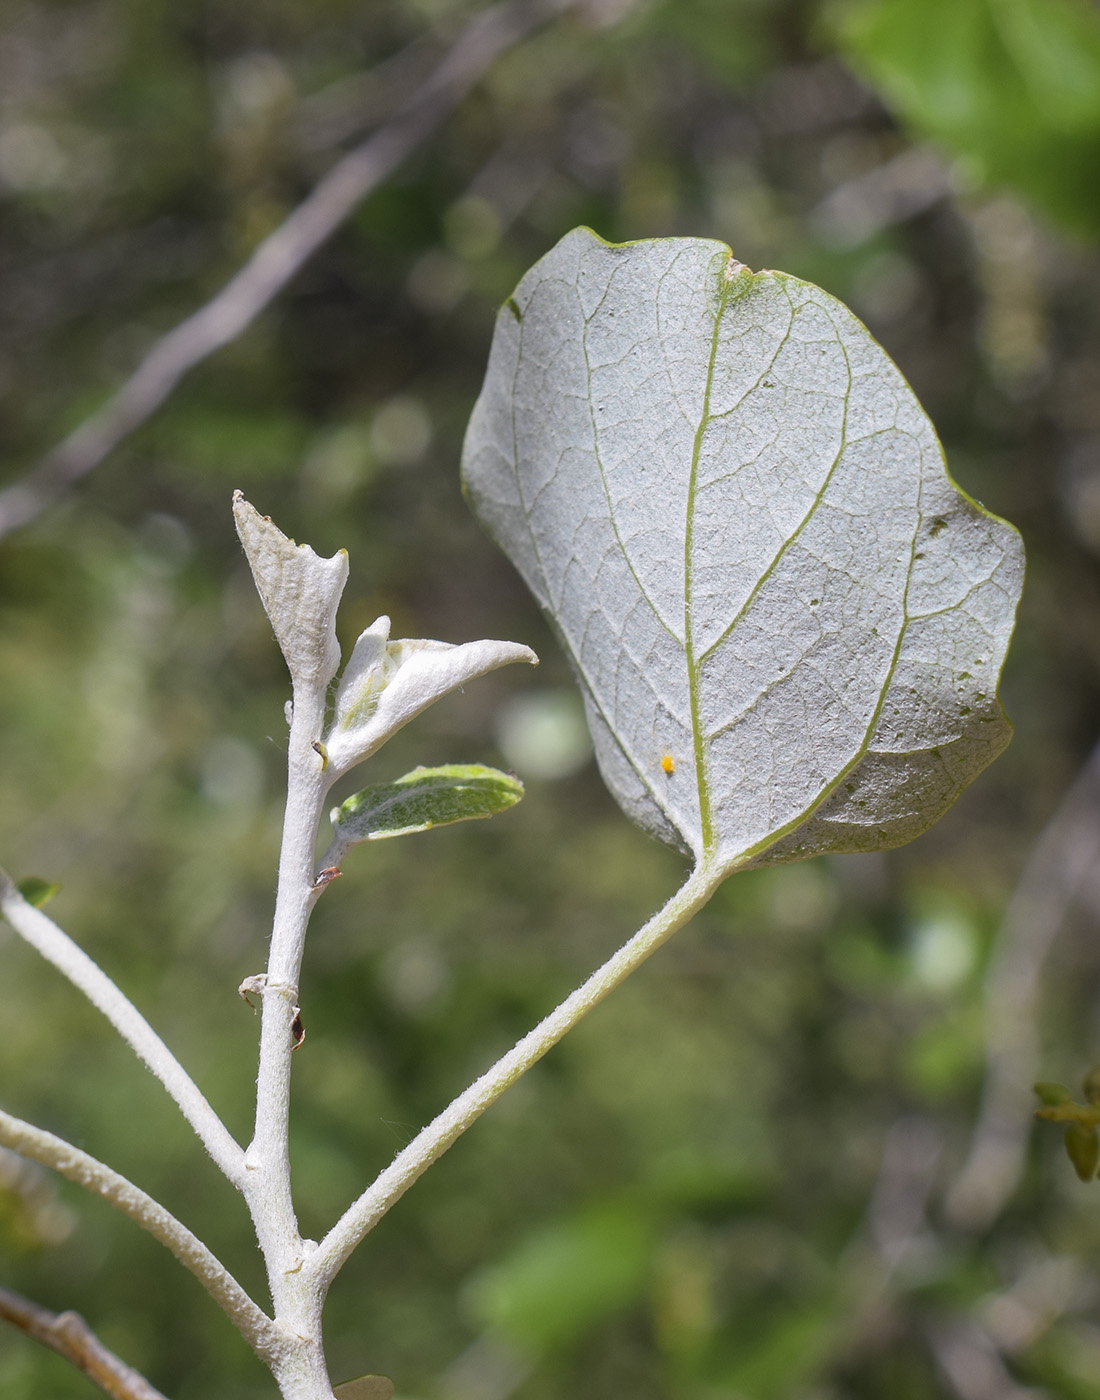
x: 1083, y: 1150
x: 37, y: 892
x: 424, y: 798
x: 1052, y: 1093
x: 365, y: 1388
x: 1091, y: 1085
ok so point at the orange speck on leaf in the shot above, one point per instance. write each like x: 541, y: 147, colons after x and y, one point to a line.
x: 668, y: 763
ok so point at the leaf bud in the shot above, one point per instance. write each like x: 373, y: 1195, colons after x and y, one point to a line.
x: 1051, y: 1093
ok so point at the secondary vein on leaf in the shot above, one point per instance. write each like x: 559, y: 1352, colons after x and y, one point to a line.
x: 790, y: 540
x: 607, y: 491
x: 746, y: 856
x: 575, y: 652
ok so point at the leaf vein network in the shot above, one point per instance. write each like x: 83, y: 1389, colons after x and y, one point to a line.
x: 790, y: 540
x: 864, y: 745
x: 610, y: 506
x: 745, y: 857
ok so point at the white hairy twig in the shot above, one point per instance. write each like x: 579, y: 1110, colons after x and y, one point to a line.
x: 267, y: 1162
x: 385, y: 684
x: 57, y: 947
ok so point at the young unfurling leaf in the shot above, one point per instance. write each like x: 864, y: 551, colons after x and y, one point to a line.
x: 300, y: 593
x: 385, y: 684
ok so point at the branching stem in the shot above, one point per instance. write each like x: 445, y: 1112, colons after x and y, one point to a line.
x: 267, y: 1160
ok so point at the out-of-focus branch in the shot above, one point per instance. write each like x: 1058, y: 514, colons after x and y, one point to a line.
x: 875, y: 1268
x: 1066, y: 852
x: 277, y: 259
x: 70, y: 1336
x: 897, y: 190
x: 896, y: 1218
x: 349, y: 106
x: 890, y: 1254
x: 972, y: 1365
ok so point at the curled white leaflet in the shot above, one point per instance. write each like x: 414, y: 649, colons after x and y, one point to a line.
x: 370, y: 667
x: 385, y: 684
x: 300, y: 593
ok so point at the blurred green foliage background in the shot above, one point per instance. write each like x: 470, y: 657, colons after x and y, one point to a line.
x: 735, y: 1181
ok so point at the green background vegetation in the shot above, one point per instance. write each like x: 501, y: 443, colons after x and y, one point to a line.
x: 729, y: 1184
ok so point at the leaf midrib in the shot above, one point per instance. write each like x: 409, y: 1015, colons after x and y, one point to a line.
x: 706, y: 824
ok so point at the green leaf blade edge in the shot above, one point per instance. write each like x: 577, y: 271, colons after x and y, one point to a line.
x: 37, y: 891
x: 425, y: 798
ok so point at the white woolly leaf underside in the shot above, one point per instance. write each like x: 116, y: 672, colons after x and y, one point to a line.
x: 787, y: 621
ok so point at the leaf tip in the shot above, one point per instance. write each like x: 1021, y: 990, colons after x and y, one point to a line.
x: 365, y: 1388
x: 37, y: 891
x: 299, y: 589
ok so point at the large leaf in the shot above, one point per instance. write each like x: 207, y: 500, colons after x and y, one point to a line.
x: 787, y: 621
